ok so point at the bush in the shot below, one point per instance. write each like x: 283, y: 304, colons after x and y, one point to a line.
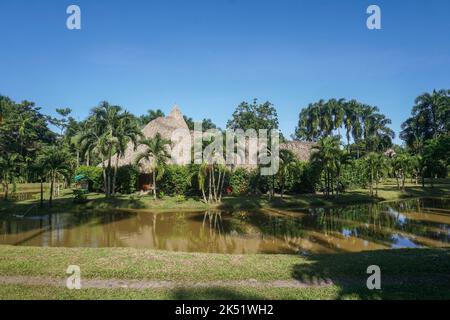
x: 352, y: 175
x: 79, y: 196
x: 180, y: 198
x: 94, y: 175
x: 258, y: 183
x: 176, y: 180
x: 127, y: 179
x: 240, y: 181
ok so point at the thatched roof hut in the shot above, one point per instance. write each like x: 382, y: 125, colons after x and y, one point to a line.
x: 301, y: 149
x: 162, y: 125
x: 165, y: 126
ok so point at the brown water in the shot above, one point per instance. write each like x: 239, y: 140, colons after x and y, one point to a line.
x: 410, y: 223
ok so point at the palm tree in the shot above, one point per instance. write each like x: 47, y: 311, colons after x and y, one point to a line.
x: 376, y: 165
x: 57, y: 162
x: 127, y: 131
x: 349, y: 117
x: 9, y: 165
x: 327, y: 155
x: 156, y: 152
x: 287, y: 162
x: 107, y: 132
x: 151, y: 115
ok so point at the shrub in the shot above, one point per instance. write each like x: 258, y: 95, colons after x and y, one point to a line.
x: 176, y: 180
x: 127, y: 179
x: 352, y: 174
x: 258, y: 183
x: 79, y: 196
x: 304, y: 178
x: 94, y: 175
x: 240, y: 181
x: 180, y: 198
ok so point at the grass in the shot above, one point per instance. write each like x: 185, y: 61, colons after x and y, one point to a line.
x: 387, y: 191
x: 406, y: 273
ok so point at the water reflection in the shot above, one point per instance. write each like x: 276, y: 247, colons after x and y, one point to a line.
x: 411, y: 223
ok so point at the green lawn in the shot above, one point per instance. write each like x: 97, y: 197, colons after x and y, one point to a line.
x: 406, y: 273
x: 387, y: 191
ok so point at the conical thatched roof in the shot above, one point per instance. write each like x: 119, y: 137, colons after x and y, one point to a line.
x: 165, y: 126
x: 162, y: 125
x: 301, y: 149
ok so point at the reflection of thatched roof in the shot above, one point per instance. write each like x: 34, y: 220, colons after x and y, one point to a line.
x: 301, y: 149
x: 166, y: 125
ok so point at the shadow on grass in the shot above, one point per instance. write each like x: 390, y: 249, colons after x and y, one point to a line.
x: 212, y: 294
x: 405, y: 273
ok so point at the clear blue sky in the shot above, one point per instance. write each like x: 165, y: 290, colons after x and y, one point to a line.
x: 208, y: 56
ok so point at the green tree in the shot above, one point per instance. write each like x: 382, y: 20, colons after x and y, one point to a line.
x: 58, y: 164
x: 327, y: 156
x: 150, y: 116
x: 254, y: 116
x: 157, y: 154
x: 107, y: 132
x: 376, y: 168
x: 288, y: 163
x: 430, y: 118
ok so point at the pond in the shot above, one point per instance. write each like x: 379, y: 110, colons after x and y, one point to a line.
x: 410, y: 223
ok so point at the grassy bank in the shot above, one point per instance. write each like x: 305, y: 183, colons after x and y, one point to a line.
x: 387, y: 191
x: 406, y: 273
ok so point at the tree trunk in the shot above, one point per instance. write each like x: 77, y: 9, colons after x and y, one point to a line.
x: 6, y: 188
x: 115, y: 176
x: 109, y: 174
x: 221, y: 186
x: 52, y: 181
x: 214, y: 184
x: 209, y: 189
x: 204, y: 195
x: 105, y: 180
x: 154, y: 184
x: 42, y: 193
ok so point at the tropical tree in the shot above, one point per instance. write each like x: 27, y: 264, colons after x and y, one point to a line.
x: 288, y: 162
x: 376, y: 168
x: 363, y: 124
x: 430, y: 118
x: 9, y: 167
x: 254, y: 116
x: 107, y: 131
x: 327, y: 155
x: 157, y: 154
x: 150, y: 115
x: 58, y: 164
x: 402, y: 165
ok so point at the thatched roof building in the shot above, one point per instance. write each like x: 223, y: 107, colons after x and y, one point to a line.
x: 165, y: 126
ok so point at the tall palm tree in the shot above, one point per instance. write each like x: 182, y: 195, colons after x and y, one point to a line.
x: 287, y: 162
x: 151, y: 115
x: 156, y: 153
x: 376, y: 166
x: 107, y: 132
x: 57, y: 162
x: 327, y: 155
x: 127, y: 131
x: 350, y: 109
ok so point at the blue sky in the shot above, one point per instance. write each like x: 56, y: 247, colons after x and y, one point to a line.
x: 208, y: 56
